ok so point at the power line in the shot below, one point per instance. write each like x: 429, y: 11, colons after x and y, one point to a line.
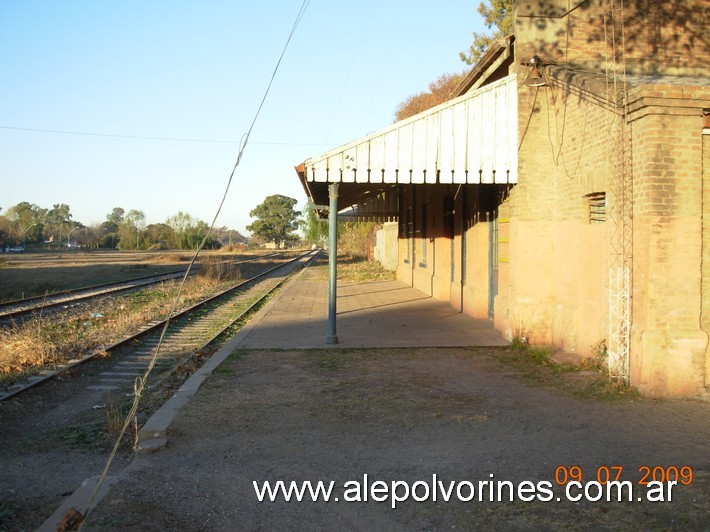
x: 141, y: 137
x: 141, y: 381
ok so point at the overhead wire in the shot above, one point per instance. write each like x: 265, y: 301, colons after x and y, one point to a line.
x: 141, y: 381
x: 345, y: 83
x: 144, y: 137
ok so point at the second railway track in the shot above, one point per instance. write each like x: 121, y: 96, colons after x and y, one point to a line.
x: 16, y: 311
x: 191, y: 330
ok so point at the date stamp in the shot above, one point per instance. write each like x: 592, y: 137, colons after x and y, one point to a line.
x: 614, y: 482
x: 643, y: 475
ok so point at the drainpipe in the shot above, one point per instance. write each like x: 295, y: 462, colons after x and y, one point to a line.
x: 464, y: 216
x: 332, y: 337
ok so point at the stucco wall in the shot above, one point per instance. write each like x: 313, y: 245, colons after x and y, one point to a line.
x: 386, y: 246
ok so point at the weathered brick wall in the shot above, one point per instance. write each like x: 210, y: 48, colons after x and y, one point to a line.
x: 657, y: 37
x: 705, y: 294
x: 554, y: 287
x: 668, y: 341
x: 558, y: 289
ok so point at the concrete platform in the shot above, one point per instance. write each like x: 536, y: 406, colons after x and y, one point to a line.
x: 371, y: 314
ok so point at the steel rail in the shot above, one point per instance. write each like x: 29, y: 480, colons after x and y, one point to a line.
x: 47, y: 375
x: 76, y: 295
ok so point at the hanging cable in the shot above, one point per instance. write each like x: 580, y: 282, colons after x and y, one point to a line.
x: 144, y: 137
x: 141, y: 381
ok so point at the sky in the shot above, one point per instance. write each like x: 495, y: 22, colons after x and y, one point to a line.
x: 142, y: 104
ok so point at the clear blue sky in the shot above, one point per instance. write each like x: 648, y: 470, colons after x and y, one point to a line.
x: 198, y: 70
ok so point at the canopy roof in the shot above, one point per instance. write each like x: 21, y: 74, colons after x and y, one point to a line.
x: 471, y: 139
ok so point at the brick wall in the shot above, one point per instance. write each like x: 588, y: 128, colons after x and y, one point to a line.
x: 705, y: 287
x: 657, y: 37
x: 554, y: 286
x: 570, y: 147
x: 669, y: 341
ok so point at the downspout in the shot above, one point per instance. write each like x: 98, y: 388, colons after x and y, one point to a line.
x: 413, y: 238
x: 433, y: 259
x: 464, y: 216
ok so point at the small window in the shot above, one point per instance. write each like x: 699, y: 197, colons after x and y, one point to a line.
x: 597, y: 207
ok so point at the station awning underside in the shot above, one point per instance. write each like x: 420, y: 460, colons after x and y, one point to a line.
x: 471, y: 139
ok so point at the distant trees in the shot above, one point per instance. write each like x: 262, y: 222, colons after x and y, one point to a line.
x: 497, y: 16
x: 189, y: 232
x: 58, y: 222
x: 31, y: 224
x: 159, y: 235
x: 315, y: 230
x: 27, y: 222
x: 276, y: 219
x: 440, y: 91
x: 130, y: 229
x: 229, y: 237
x: 108, y: 230
x: 5, y: 229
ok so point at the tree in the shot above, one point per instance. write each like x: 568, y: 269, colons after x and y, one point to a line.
x: 161, y: 235
x: 181, y: 224
x: 27, y: 221
x: 108, y: 231
x: 90, y: 237
x: 129, y: 230
x: 188, y: 232
x: 5, y: 230
x: 276, y: 219
x: 226, y: 236
x: 115, y: 217
x: 58, y: 222
x: 315, y: 230
x: 440, y: 91
x: 498, y: 14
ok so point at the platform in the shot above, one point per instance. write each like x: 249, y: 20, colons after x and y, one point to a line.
x: 370, y: 314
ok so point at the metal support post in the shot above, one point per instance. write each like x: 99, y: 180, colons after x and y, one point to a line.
x: 332, y: 337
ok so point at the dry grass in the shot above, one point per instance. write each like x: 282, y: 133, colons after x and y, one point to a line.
x: 354, y: 270
x: 168, y: 258
x: 41, y: 342
x: 216, y: 268
x: 362, y: 270
x: 35, y: 276
x: 25, y: 346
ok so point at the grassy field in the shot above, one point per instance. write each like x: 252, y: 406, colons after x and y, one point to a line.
x: 36, y: 274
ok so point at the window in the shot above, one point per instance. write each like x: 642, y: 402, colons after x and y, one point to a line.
x: 596, y: 203
x: 422, y: 234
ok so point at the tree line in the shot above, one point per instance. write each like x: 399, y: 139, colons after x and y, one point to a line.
x: 27, y: 224
x: 276, y: 219
x: 276, y: 222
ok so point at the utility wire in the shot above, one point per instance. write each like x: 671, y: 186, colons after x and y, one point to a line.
x: 141, y: 381
x: 141, y: 137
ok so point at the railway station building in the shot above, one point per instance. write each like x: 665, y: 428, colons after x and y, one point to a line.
x: 563, y: 191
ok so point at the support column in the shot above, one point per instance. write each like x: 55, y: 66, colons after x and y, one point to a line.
x: 332, y: 337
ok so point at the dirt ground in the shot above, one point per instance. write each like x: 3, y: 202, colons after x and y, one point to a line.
x: 405, y: 415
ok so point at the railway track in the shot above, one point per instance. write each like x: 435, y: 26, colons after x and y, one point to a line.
x: 16, y: 311
x: 191, y: 330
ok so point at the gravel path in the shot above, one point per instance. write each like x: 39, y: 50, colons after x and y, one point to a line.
x: 405, y: 415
